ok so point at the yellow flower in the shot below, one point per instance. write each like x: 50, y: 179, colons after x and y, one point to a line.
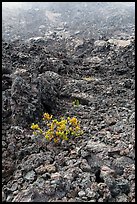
x: 56, y: 140
x: 47, y: 116
x: 35, y: 133
x: 73, y: 121
x: 34, y: 127
x: 77, y: 128
x: 62, y: 122
x: 67, y: 131
x: 40, y: 130
x: 64, y: 137
x: 50, y: 132
x: 54, y: 121
x: 47, y: 136
x: 52, y: 126
x: 57, y: 133
x: 58, y: 130
x: 62, y: 118
x: 62, y: 127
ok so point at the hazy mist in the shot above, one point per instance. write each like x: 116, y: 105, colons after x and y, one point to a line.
x: 21, y: 20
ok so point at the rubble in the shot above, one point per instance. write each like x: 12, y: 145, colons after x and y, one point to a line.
x: 46, y: 74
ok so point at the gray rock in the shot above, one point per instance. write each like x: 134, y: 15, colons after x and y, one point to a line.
x: 104, y: 192
x: 20, y: 180
x: 50, y: 168
x: 73, y: 200
x: 132, y: 117
x: 35, y: 160
x: 6, y: 104
x: 37, y: 40
x: 73, y: 87
x: 113, y: 151
x: 120, y: 43
x: 122, y: 198
x: 30, y: 176
x: 78, y: 199
x: 85, y: 166
x: 96, y: 146
x: 100, y: 43
x: 81, y: 193
x: 121, y: 162
x: 93, y: 60
x: 106, y: 171
x: 84, y: 98
x: 123, y: 185
x: 46, y: 168
x: 39, y: 183
x: 68, y: 175
x: 9, y: 198
x: 50, y: 190
x: 8, y: 167
x: 90, y: 193
x: 71, y: 162
x: 84, y: 198
x: 4, y: 144
x: 84, y: 153
x: 100, y: 200
x: 3, y: 196
x: 11, y: 148
x: 85, y: 183
x: 95, y: 161
x: 114, y: 191
x: 46, y: 176
x: 30, y: 195
x: 17, y: 191
x: 51, y: 84
x: 35, y: 97
x: 71, y: 173
x: 20, y: 96
x: 78, y: 43
x: 92, y: 201
x: 56, y: 176
x: 14, y: 187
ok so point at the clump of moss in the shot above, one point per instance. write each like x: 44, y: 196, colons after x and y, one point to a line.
x: 58, y: 130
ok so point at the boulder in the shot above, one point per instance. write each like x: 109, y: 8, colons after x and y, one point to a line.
x: 30, y: 99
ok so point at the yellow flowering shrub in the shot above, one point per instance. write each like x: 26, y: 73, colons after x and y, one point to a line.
x: 58, y: 130
x: 46, y: 116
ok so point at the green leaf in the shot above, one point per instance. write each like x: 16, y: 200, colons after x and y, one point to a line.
x: 35, y: 133
x: 77, y: 102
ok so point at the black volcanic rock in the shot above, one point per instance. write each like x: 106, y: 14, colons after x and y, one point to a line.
x: 65, y: 68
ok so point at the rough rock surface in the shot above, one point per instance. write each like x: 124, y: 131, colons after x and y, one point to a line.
x: 48, y: 74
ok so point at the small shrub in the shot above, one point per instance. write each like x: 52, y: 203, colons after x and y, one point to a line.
x: 89, y: 78
x: 58, y: 130
x: 76, y: 102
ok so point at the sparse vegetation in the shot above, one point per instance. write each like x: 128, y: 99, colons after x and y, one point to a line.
x: 76, y: 102
x: 58, y: 130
